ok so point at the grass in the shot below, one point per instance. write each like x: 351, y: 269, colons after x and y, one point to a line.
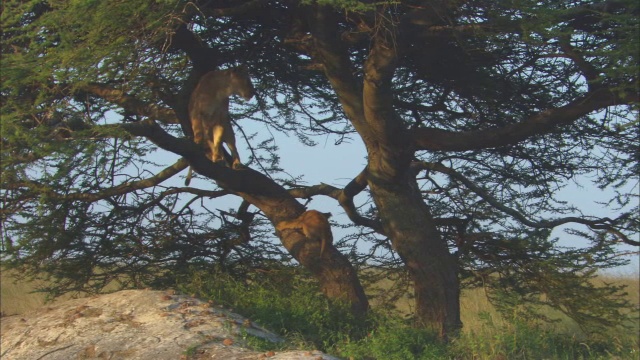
x: 291, y: 306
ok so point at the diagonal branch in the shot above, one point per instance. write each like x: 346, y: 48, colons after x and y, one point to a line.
x: 132, y: 104
x: 541, y: 123
x: 597, y: 224
x: 345, y: 198
x: 114, y: 191
x: 251, y: 183
x: 379, y: 69
x: 333, y: 55
x: 588, y: 70
x: 199, y: 193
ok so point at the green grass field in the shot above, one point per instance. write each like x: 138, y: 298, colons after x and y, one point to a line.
x: 486, y: 335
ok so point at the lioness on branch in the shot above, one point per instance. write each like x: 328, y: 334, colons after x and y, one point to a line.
x: 209, y: 111
x: 315, y: 226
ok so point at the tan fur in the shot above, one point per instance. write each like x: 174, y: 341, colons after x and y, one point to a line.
x: 209, y: 111
x: 315, y: 226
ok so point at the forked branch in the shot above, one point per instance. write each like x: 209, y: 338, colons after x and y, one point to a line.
x: 345, y: 199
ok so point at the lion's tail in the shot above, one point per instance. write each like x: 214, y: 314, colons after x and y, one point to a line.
x: 326, y: 238
x: 187, y: 181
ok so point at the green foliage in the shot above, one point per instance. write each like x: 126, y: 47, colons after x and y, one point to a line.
x: 351, y: 5
x: 525, y: 276
x: 51, y: 243
x: 601, y: 31
x: 80, y: 40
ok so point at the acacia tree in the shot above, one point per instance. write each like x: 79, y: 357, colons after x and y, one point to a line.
x: 474, y: 114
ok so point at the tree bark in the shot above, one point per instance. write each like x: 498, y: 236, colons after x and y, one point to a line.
x: 338, y: 279
x: 408, y: 223
x: 406, y: 219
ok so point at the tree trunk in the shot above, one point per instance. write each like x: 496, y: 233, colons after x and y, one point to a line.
x: 338, y: 279
x: 408, y: 223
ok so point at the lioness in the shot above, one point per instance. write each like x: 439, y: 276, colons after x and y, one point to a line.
x: 209, y: 111
x: 315, y: 226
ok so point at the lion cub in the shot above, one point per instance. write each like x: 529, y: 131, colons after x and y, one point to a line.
x: 315, y: 226
x: 209, y: 111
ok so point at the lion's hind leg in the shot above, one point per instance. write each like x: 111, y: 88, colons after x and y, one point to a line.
x: 198, y: 126
x: 229, y: 138
x: 215, y: 145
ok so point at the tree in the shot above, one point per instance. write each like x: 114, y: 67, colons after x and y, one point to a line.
x: 474, y: 114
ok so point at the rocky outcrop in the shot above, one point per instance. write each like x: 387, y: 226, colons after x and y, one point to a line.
x: 135, y: 324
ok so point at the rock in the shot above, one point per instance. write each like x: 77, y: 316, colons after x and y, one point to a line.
x: 135, y: 324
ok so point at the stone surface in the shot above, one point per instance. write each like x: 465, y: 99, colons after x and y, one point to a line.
x: 135, y: 324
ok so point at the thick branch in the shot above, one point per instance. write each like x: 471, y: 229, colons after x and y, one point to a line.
x: 345, y: 199
x: 247, y: 181
x: 541, y: 123
x: 334, y: 57
x: 588, y: 70
x: 338, y: 279
x: 597, y: 224
x: 379, y: 69
x: 243, y: 9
